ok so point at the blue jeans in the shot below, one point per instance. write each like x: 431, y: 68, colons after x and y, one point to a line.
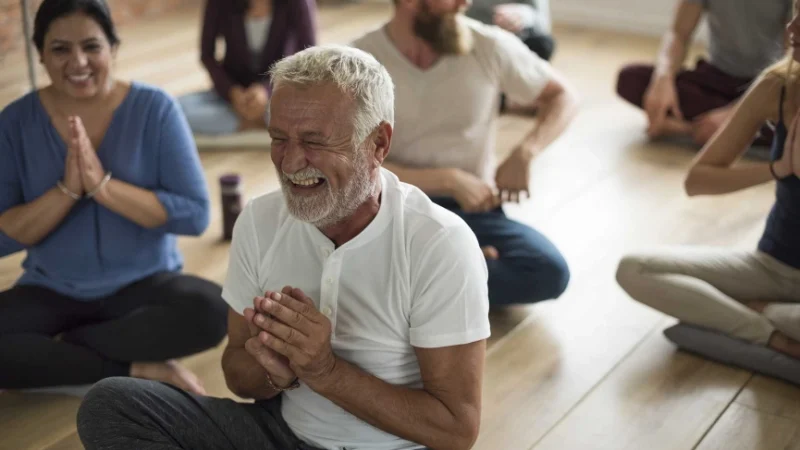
x: 209, y: 114
x: 530, y: 267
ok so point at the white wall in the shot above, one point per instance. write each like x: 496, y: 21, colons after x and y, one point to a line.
x: 649, y: 17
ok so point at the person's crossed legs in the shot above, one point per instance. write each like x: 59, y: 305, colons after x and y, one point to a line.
x: 731, y: 292
x: 700, y: 91
x: 47, y: 339
x: 528, y: 267
x: 147, y: 415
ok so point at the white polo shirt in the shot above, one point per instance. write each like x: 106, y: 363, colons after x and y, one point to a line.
x: 414, y: 277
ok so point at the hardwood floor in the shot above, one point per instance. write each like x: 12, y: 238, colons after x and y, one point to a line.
x: 588, y: 371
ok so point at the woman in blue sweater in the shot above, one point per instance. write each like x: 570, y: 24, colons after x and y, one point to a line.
x: 97, y: 177
x: 751, y: 295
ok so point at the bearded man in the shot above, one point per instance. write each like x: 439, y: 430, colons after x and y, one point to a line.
x: 449, y: 72
x: 359, y: 308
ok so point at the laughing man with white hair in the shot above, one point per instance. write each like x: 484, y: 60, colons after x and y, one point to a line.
x: 358, y: 307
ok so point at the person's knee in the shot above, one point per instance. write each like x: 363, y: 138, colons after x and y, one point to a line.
x: 543, y: 45
x: 208, y: 310
x: 542, y: 279
x: 557, y: 275
x: 629, y: 270
x: 101, y: 406
x: 632, y: 82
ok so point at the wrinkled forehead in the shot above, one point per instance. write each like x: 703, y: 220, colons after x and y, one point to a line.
x: 322, y: 109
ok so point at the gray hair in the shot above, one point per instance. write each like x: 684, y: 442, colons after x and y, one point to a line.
x: 355, y: 72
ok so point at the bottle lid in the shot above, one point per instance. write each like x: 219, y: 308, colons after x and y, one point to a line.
x: 230, y: 179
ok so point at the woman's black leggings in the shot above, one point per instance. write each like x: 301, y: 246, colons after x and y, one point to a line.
x: 47, y: 339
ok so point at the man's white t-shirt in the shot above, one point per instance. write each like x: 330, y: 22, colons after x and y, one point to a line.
x: 414, y: 277
x: 445, y: 115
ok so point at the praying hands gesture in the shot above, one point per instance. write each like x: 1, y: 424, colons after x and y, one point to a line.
x: 73, y: 179
x: 250, y: 103
x: 81, y: 156
x: 789, y: 164
x: 276, y: 365
x: 84, y: 175
x: 291, y: 326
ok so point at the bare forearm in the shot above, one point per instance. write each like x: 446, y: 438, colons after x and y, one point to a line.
x: 413, y: 414
x: 671, y: 55
x: 710, y: 180
x: 244, y: 376
x: 430, y: 181
x: 555, y: 115
x: 28, y: 224
x: 134, y: 203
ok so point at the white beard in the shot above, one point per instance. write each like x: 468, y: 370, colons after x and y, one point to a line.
x: 328, y: 208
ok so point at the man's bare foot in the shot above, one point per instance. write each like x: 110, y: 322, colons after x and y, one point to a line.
x: 784, y: 344
x: 490, y: 252
x: 168, y: 372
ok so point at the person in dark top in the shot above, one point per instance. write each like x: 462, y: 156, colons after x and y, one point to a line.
x: 257, y: 33
x: 529, y: 20
x: 750, y: 295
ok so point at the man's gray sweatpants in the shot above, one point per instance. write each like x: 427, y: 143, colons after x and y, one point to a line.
x: 130, y: 413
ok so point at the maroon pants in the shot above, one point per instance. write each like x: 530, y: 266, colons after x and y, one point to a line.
x: 699, y: 90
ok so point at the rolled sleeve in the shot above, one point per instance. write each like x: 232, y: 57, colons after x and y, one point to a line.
x: 182, y: 185
x: 522, y: 74
x: 10, y: 187
x: 450, y: 294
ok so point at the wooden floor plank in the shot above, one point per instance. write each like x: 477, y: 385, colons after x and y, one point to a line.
x: 35, y: 421
x: 657, y: 399
x: 70, y: 442
x: 771, y: 396
x: 742, y: 428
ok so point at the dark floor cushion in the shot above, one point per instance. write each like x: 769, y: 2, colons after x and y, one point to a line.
x: 735, y: 352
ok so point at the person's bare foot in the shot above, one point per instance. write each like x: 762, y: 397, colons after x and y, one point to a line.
x: 784, y: 344
x: 490, y: 252
x: 168, y: 372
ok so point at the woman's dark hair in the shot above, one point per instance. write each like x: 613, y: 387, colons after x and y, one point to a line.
x: 51, y: 10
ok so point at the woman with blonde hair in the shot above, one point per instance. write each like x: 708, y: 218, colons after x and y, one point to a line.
x: 752, y: 296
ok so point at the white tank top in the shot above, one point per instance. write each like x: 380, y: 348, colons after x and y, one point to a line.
x: 257, y: 30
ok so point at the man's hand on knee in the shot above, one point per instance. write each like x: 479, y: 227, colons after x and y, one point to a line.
x: 661, y: 100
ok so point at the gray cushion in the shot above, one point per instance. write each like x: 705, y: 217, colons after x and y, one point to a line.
x: 735, y: 352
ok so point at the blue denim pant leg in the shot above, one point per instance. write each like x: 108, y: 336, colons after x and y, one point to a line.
x: 530, y: 268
